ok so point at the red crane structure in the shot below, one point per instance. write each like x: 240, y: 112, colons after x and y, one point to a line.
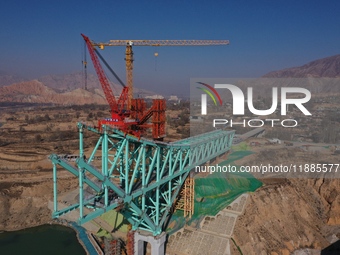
x: 134, y: 120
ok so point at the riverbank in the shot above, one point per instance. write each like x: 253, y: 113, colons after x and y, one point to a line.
x: 90, y: 246
x: 46, y: 239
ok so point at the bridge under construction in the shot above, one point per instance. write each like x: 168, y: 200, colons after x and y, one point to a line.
x: 140, y: 178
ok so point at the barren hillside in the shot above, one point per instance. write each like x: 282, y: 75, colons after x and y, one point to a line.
x: 36, y: 92
x: 325, y: 67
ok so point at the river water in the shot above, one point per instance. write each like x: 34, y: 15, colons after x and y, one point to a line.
x: 41, y: 240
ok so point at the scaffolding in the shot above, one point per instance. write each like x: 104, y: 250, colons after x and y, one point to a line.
x: 113, y: 247
x: 186, y: 197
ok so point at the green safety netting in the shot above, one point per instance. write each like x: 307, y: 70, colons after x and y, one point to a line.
x: 215, y: 192
x: 236, y: 155
x: 218, y: 190
x: 103, y: 233
x: 115, y: 220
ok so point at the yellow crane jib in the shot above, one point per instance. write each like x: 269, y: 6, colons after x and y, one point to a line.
x: 129, y: 53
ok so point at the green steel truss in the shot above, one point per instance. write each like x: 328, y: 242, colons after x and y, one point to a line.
x: 138, y: 177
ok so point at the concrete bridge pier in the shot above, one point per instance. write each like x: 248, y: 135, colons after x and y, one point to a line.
x: 157, y: 243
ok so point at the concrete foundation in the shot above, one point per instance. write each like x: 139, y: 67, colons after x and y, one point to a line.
x: 157, y: 243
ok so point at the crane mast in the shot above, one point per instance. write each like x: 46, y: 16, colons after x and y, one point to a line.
x: 129, y: 74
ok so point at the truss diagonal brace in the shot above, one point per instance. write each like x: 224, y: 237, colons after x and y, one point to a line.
x: 150, y: 174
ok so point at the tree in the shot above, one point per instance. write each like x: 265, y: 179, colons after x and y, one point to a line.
x: 47, y: 117
x: 38, y: 138
x: 89, y: 116
x: 316, y: 137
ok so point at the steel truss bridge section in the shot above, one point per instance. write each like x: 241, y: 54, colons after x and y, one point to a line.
x: 140, y: 178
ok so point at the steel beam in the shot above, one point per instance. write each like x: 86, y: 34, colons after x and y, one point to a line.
x: 151, y: 174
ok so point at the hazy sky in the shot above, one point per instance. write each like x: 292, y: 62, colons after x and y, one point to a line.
x: 43, y: 37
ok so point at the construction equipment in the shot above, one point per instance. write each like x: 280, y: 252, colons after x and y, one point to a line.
x: 129, y: 52
x: 117, y: 108
x: 128, y: 114
x: 130, y: 120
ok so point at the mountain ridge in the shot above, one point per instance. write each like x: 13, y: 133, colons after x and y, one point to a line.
x: 58, y: 89
x: 36, y: 92
x: 324, y: 67
x: 69, y: 88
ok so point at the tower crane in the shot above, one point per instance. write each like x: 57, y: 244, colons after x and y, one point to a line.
x: 129, y: 120
x: 128, y: 114
x: 129, y: 53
